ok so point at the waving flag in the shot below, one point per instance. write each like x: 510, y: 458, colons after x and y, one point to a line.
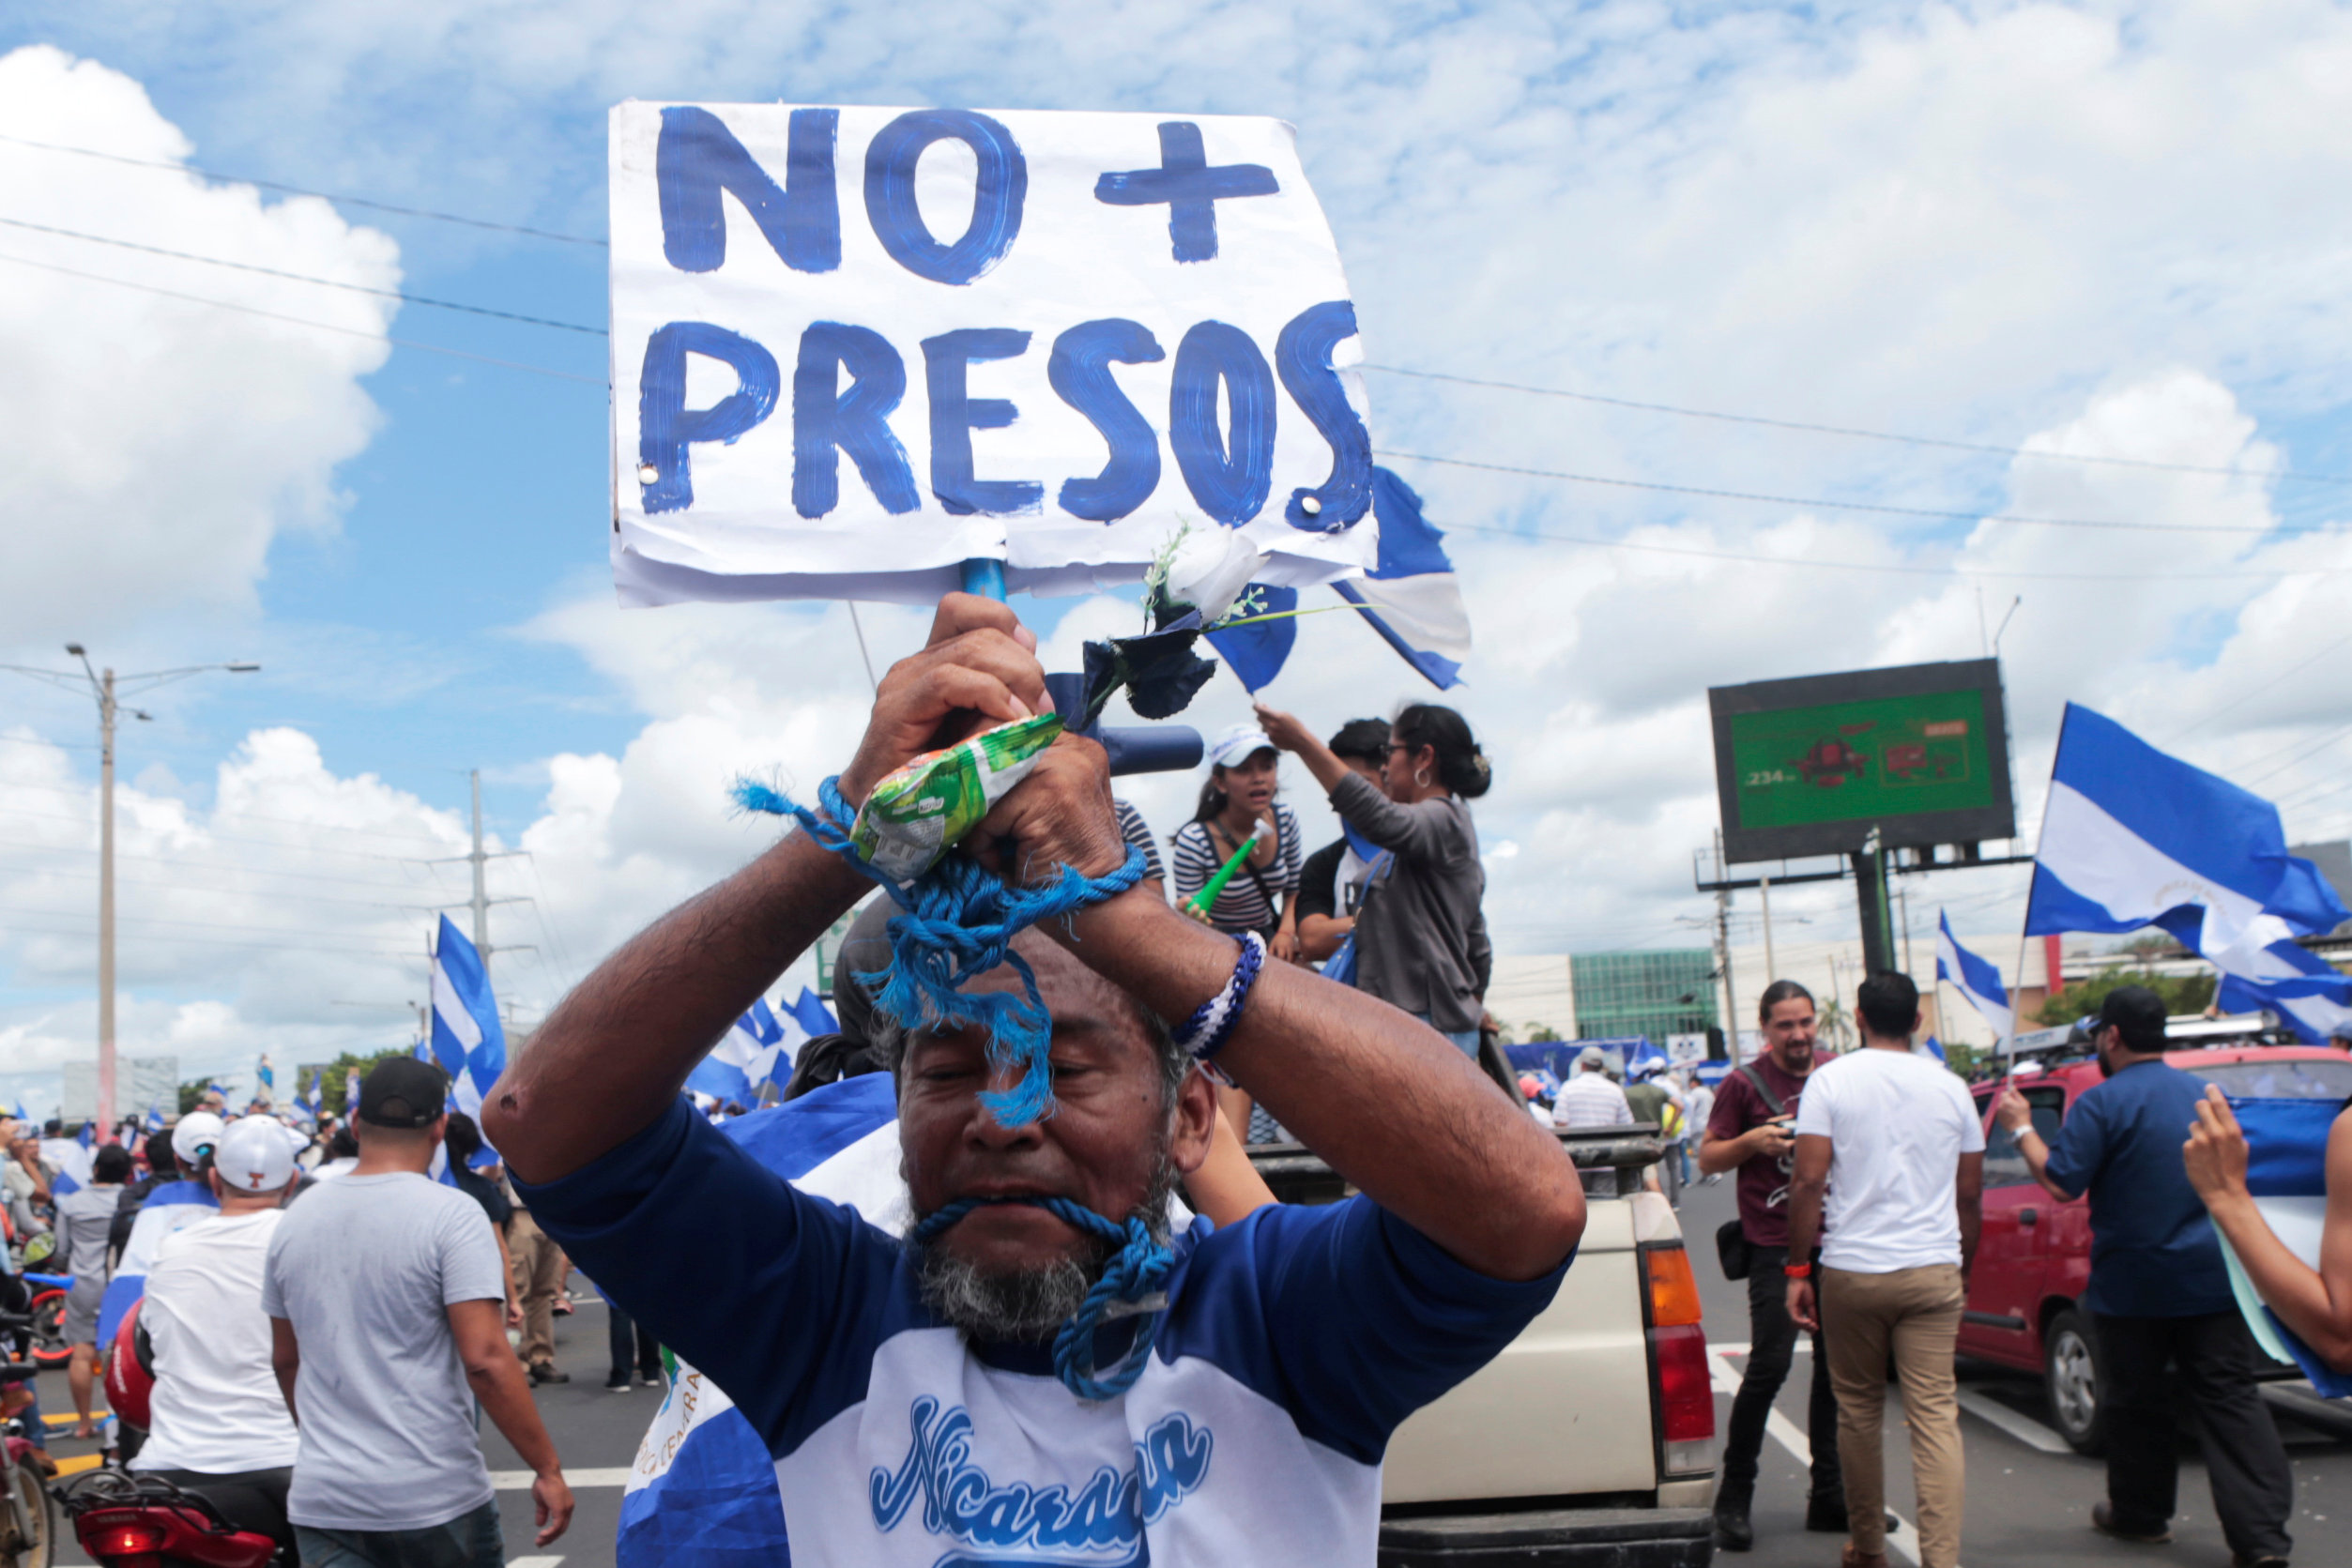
x: 155, y: 1118
x: 743, y: 1059
x: 1411, y: 596
x: 1974, y: 978
x: 468, y: 1042
x: 702, y: 1493
x: 2133, y: 837
x: 2286, y: 1175
x: 1256, y: 650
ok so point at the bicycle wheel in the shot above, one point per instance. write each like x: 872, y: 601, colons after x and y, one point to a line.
x: 28, y: 1530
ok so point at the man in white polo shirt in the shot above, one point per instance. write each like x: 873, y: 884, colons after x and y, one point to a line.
x: 217, y: 1422
x: 1895, y: 1139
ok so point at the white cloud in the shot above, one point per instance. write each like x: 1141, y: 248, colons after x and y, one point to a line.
x: 155, y: 447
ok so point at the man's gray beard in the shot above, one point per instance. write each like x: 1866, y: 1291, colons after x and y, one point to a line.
x: 1029, y: 1305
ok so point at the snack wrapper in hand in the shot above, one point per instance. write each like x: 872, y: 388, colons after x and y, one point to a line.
x: 921, y: 811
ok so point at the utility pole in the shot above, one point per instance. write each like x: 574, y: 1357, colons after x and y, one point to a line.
x: 481, y: 902
x: 1772, y: 969
x: 102, y: 686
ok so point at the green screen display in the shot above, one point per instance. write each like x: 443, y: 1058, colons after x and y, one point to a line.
x: 1874, y: 760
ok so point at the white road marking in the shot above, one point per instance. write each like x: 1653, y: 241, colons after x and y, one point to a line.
x: 2024, y: 1428
x: 1903, y: 1540
x: 533, y: 1561
x: 520, y: 1481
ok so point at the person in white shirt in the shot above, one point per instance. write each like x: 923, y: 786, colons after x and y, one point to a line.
x: 1895, y: 1140
x: 1588, y: 1099
x: 1698, y: 1105
x: 219, y: 1425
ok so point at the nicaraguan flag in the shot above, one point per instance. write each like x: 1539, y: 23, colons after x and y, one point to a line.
x: 702, y: 1493
x: 2133, y: 837
x: 155, y: 1118
x: 2286, y: 1174
x: 744, y: 1058
x: 1411, y: 596
x: 1256, y: 650
x: 468, y: 1042
x: 171, y: 1207
x: 1974, y: 978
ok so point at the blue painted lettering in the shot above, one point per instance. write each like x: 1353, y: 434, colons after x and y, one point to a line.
x: 1080, y: 372
x: 1002, y: 187
x: 955, y: 414
x: 1190, y: 188
x: 667, y: 427
x: 827, y: 421
x: 1227, y: 474
x: 1303, y: 356
x: 697, y: 160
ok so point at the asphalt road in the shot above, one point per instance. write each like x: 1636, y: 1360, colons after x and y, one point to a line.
x: 2029, y: 1498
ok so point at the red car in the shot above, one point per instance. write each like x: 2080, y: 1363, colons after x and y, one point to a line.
x: 2035, y: 1257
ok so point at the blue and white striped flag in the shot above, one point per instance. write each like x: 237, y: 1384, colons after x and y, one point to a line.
x: 1411, y: 596
x: 155, y: 1118
x: 760, y: 1049
x: 702, y: 1493
x: 468, y: 1041
x: 2133, y: 837
x: 1974, y: 978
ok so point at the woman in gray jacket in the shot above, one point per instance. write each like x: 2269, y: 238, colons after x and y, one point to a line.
x: 1420, y: 937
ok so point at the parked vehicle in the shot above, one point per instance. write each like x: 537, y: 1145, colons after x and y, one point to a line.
x: 1591, y: 1439
x: 2035, y: 1257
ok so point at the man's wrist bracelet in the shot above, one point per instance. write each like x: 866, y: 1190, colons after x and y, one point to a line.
x: 1211, y: 1024
x: 1797, y: 1270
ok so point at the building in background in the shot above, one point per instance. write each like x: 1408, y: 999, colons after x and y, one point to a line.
x: 1658, y: 992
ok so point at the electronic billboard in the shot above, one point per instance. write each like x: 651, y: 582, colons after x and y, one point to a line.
x: 1809, y: 766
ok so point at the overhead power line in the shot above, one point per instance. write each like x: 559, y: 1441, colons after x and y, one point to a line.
x: 1812, y: 502
x: 1806, y: 563
x: 300, y: 320
x: 1810, y: 429
x: 300, y: 191
x: 401, y: 294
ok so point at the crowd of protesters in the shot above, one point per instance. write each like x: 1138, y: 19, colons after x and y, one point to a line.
x: 326, y: 1333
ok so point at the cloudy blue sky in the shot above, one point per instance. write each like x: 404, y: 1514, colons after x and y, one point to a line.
x: 2065, y: 232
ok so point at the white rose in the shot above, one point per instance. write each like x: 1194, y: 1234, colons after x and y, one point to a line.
x: 1209, y: 569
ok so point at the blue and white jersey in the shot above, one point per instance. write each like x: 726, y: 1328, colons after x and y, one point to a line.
x: 1294, y: 1343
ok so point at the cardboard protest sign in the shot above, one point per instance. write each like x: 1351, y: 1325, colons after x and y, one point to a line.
x: 853, y: 347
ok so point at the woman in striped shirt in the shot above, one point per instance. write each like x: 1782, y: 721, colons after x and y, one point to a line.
x: 1238, y: 797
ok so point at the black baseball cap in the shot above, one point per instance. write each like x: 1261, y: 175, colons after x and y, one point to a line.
x: 403, y: 1091
x: 2136, y: 1010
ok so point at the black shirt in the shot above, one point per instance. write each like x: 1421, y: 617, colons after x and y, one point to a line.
x: 483, y: 1191
x: 1318, y: 881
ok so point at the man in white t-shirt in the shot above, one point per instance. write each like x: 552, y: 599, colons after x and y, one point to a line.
x: 218, y: 1423
x: 1895, y: 1139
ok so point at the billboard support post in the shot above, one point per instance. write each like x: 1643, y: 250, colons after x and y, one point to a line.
x: 1870, y: 888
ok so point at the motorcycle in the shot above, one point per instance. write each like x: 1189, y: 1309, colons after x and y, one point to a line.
x: 27, y: 1523
x: 137, y: 1519
x: 49, y: 1317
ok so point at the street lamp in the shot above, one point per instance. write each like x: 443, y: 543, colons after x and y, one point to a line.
x: 108, y: 689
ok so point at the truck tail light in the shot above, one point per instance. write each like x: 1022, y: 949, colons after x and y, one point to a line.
x: 1681, y: 1380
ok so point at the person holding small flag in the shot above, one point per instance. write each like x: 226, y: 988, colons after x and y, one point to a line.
x: 1331, y: 884
x: 1421, y: 936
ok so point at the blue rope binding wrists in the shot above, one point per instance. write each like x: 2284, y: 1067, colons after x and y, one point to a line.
x: 1139, y: 1270
x: 958, y: 921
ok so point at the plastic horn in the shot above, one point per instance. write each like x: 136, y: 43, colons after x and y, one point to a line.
x: 1198, y: 905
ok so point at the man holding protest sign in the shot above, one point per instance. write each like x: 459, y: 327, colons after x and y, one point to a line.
x: 901, y: 1387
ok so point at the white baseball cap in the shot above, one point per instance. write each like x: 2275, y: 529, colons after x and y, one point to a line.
x: 1238, y: 744
x: 191, y: 1132
x: 253, y: 1156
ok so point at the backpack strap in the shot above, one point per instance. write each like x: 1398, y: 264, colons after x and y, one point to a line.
x: 1755, y: 1081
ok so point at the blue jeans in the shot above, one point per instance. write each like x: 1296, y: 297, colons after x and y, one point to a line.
x: 1465, y: 1040
x: 468, y: 1541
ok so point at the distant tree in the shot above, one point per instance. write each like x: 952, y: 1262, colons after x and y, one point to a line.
x: 1542, y: 1034
x: 2181, y: 994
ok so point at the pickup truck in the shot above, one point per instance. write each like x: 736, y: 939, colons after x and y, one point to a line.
x: 1591, y: 1440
